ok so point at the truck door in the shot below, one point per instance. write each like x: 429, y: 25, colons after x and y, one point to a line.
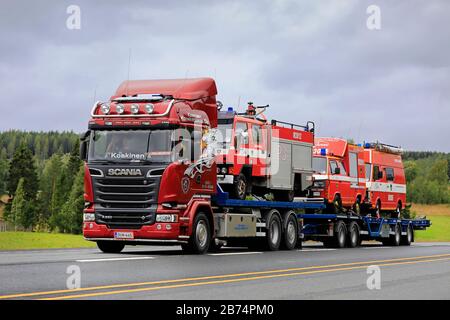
x: 258, y: 150
x: 340, y: 181
x: 241, y: 144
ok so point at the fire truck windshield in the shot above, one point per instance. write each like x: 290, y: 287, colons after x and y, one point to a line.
x: 223, y: 135
x: 320, y: 165
x: 131, y: 146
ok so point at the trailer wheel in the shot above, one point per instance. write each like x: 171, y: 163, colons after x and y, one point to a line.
x: 357, y: 207
x: 290, y: 234
x: 408, y: 238
x: 273, y: 231
x: 340, y: 235
x: 240, y: 186
x: 394, y: 240
x: 201, y: 236
x: 110, y: 246
x: 353, y: 239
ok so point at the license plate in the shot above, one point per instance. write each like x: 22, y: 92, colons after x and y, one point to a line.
x: 123, y: 235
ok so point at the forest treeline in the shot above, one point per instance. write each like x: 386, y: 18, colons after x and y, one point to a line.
x: 43, y: 173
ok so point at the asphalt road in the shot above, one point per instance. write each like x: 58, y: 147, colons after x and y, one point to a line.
x: 421, y: 271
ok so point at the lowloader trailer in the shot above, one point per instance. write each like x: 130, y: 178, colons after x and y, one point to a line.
x: 334, y: 230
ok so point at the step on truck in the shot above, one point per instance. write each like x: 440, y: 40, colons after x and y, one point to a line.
x: 150, y: 178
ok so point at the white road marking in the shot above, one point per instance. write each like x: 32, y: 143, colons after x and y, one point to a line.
x: 114, y: 259
x: 316, y: 250
x: 232, y: 253
x: 368, y: 248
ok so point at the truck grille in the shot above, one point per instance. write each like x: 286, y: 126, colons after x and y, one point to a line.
x: 125, y: 202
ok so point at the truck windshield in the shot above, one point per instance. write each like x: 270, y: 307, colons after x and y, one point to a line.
x: 320, y: 165
x: 223, y: 135
x: 131, y: 146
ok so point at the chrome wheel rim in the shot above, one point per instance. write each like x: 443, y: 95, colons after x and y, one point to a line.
x: 201, y: 233
x: 290, y: 232
x: 241, y: 188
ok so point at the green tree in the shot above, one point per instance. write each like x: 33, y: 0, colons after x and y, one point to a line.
x: 70, y: 218
x: 21, y: 210
x: 22, y: 166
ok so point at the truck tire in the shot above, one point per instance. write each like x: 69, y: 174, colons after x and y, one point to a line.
x: 394, y: 240
x: 409, y: 237
x: 239, y: 188
x: 353, y: 235
x: 201, y: 236
x: 357, y: 207
x: 290, y: 234
x: 110, y: 246
x: 337, y: 204
x: 273, y: 231
x: 340, y: 234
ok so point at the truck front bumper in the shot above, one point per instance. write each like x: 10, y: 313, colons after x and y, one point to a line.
x: 225, y: 179
x: 158, y: 232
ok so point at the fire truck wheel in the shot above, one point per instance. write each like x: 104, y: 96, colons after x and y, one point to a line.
x: 398, y: 211
x: 201, y: 236
x: 357, y: 207
x: 110, y: 246
x: 394, y: 240
x: 239, y: 190
x: 290, y: 234
x: 273, y: 231
x: 340, y: 234
x: 353, y: 239
x: 337, y: 204
x: 408, y: 238
x: 378, y: 209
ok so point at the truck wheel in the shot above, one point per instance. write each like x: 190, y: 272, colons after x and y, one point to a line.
x: 201, y: 236
x: 357, y: 207
x: 110, y: 246
x: 340, y: 235
x: 394, y: 240
x: 408, y: 238
x: 239, y: 189
x: 273, y: 231
x: 290, y: 234
x: 378, y: 209
x: 398, y: 212
x: 337, y: 204
x: 353, y: 239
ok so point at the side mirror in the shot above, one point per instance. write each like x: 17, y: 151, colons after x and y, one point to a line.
x: 83, y: 150
x: 337, y: 170
x: 84, y: 144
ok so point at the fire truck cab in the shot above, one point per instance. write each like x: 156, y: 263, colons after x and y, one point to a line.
x: 385, y: 179
x: 260, y: 157
x: 339, y: 175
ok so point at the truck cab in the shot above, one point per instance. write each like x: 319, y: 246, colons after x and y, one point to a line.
x: 385, y: 179
x: 339, y: 175
x: 145, y: 169
x: 260, y: 157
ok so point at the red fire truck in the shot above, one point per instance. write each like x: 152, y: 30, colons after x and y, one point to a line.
x: 339, y: 174
x: 260, y: 157
x: 385, y: 176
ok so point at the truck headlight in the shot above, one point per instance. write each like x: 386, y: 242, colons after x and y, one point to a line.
x: 224, y: 170
x: 120, y: 108
x: 166, y: 218
x: 88, y: 217
x: 134, y: 108
x: 149, y: 108
x: 105, y: 108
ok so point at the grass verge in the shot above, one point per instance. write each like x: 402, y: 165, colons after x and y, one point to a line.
x: 37, y: 240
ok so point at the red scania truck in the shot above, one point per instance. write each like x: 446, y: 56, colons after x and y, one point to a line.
x: 149, y: 179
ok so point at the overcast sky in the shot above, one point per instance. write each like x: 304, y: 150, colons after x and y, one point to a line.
x: 310, y: 60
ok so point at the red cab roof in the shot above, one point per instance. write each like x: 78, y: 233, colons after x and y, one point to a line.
x: 189, y: 89
x: 334, y: 146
